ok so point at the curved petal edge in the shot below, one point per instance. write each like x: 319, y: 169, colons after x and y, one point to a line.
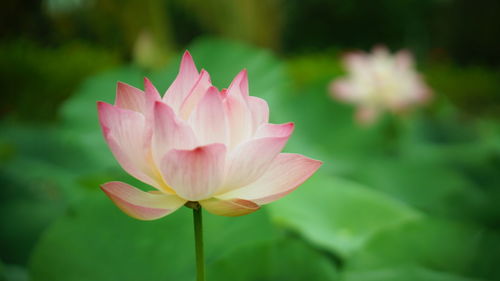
x: 195, y: 174
x: 285, y: 174
x: 229, y: 208
x: 139, y: 204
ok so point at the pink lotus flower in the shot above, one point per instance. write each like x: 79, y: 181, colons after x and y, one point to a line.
x: 198, y: 144
x: 378, y: 82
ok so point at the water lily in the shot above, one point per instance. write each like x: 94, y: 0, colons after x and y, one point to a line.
x: 379, y: 82
x: 197, y: 144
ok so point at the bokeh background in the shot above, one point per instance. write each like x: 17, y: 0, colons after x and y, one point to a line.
x: 411, y: 198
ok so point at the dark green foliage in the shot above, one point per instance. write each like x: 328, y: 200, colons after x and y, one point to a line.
x: 37, y: 80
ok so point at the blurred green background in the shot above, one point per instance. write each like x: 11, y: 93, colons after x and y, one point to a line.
x: 413, y: 198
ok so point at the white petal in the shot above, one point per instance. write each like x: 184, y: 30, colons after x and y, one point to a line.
x: 128, y: 97
x: 229, y: 208
x: 208, y: 119
x: 183, y: 83
x: 195, y: 174
x: 250, y: 160
x: 260, y: 111
x: 129, y: 138
x: 196, y: 94
x: 285, y: 174
x: 139, y: 204
x: 238, y: 113
x: 170, y: 132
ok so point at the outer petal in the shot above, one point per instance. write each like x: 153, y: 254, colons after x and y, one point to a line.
x: 128, y: 97
x: 139, y: 204
x: 239, y: 85
x: 237, y: 110
x: 129, y: 139
x: 170, y: 132
x: 275, y: 130
x: 229, y: 208
x: 196, y: 94
x: 184, y: 82
x: 251, y: 159
x: 285, y: 174
x: 260, y: 111
x: 152, y: 93
x: 195, y: 174
x: 208, y: 119
x: 239, y: 120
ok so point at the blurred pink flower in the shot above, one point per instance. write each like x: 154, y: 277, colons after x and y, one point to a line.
x: 198, y: 144
x: 380, y: 81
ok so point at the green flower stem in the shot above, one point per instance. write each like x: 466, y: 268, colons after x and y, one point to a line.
x: 198, y: 237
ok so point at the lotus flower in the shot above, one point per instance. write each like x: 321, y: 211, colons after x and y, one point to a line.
x: 380, y: 81
x: 198, y: 144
